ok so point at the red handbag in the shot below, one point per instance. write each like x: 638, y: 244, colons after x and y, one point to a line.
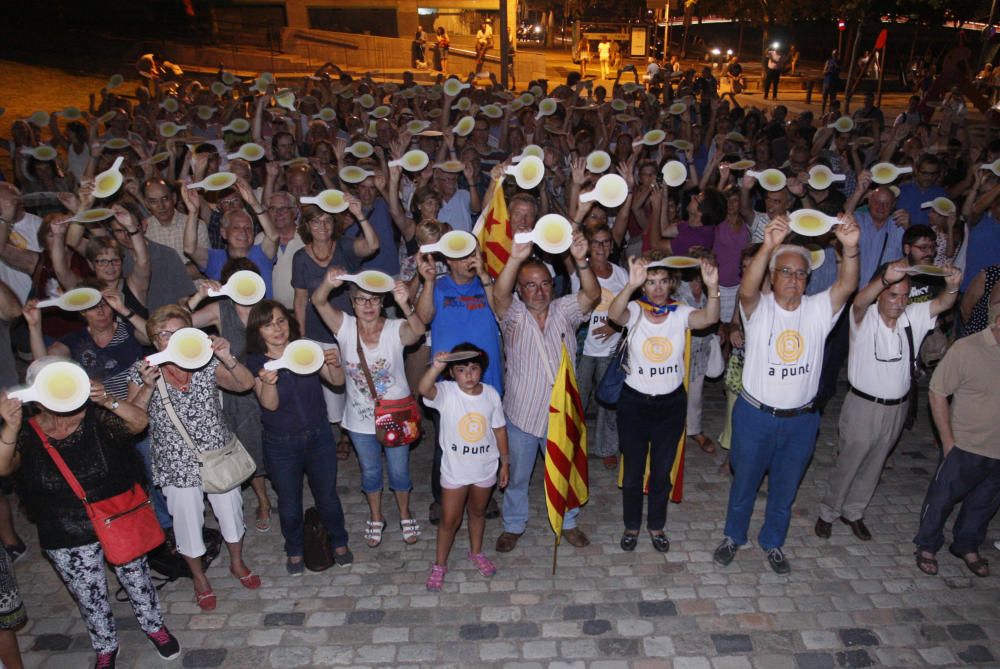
x: 397, y: 422
x: 125, y: 524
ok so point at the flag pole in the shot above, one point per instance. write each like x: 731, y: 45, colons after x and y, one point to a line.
x: 555, y: 552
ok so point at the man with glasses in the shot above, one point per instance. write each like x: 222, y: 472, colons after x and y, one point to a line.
x: 774, y: 421
x: 166, y: 224
x: 923, y: 188
x: 534, y: 327
x: 919, y: 248
x: 886, y: 333
x: 882, y: 226
x: 284, y: 214
x: 168, y: 279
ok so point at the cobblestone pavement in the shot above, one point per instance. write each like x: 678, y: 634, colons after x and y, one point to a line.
x: 845, y: 604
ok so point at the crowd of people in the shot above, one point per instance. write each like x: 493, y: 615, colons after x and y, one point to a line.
x: 786, y: 248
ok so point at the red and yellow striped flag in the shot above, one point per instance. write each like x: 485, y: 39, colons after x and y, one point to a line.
x: 566, y: 485
x: 494, y: 233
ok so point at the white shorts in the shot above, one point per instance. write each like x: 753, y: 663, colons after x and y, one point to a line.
x: 187, y: 506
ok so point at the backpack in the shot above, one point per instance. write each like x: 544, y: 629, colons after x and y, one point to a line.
x: 169, y: 565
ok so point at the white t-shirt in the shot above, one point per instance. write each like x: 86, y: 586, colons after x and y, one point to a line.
x: 784, y: 349
x: 281, y: 274
x: 23, y: 235
x: 879, y: 361
x: 604, y: 50
x: 656, y: 351
x: 468, y: 443
x: 385, y: 362
x: 611, y: 286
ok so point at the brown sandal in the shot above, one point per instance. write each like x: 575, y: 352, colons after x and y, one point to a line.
x: 928, y: 565
x: 344, y: 448
x: 705, y: 443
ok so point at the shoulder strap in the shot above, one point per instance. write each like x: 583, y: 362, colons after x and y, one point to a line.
x: 540, y: 343
x: 74, y: 484
x: 364, y: 363
x: 169, y: 407
x: 913, y: 353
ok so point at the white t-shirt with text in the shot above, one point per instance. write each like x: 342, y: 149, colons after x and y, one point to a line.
x: 468, y: 443
x: 656, y: 351
x: 611, y: 286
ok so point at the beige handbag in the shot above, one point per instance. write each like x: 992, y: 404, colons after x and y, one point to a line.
x: 222, y: 469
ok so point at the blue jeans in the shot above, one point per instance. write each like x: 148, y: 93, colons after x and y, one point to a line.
x: 370, y: 457
x: 781, y: 449
x: 973, y: 480
x: 291, y: 457
x: 524, y: 448
x: 163, y: 516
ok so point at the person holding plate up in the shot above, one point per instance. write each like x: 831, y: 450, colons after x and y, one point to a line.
x: 774, y: 422
x: 653, y: 405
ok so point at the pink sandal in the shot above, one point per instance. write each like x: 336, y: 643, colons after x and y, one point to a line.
x: 483, y: 564
x: 436, y: 578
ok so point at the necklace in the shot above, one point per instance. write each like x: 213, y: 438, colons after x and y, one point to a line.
x: 316, y: 255
x: 177, y: 379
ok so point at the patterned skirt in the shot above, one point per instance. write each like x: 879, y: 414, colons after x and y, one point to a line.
x: 12, y: 612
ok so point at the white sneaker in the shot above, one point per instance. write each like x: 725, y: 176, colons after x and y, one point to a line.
x: 996, y: 544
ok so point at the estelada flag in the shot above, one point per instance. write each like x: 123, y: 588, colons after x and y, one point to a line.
x: 677, y: 469
x: 494, y: 233
x: 566, y: 482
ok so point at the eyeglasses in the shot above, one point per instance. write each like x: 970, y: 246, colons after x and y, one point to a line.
x: 531, y: 285
x: 890, y: 355
x: 600, y: 242
x: 231, y: 202
x: 797, y: 274
x: 367, y: 301
x: 107, y: 262
x: 164, y: 334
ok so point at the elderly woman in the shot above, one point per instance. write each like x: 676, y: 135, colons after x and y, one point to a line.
x: 653, y: 404
x: 298, y: 441
x: 194, y: 398
x: 381, y: 341
x: 95, y: 441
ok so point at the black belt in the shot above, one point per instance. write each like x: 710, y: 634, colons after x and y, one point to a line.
x: 774, y: 411
x: 879, y: 400
x: 646, y: 396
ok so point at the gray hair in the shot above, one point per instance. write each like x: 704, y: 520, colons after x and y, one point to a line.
x: 800, y: 251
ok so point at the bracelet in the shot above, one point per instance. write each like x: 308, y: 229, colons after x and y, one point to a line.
x: 234, y: 365
x: 258, y: 213
x: 952, y: 292
x: 137, y: 231
x: 9, y: 443
x: 853, y: 256
x: 717, y: 295
x: 412, y: 311
x: 582, y: 267
x: 885, y: 284
x: 129, y: 315
x: 114, y: 405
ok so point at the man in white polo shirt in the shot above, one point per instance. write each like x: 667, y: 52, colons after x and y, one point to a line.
x: 774, y: 424
x: 885, y: 337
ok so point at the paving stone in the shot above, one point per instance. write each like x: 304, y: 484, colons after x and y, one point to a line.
x: 370, y: 617
x: 976, y: 654
x: 658, y: 646
x: 52, y: 642
x: 204, y: 658
x: 858, y: 637
x: 519, y: 631
x: 692, y: 663
x: 479, y: 632
x: 814, y: 660
x: 727, y: 644
x: 293, y: 619
x: 966, y: 632
x: 653, y: 609
x: 579, y: 612
x: 854, y: 659
x: 731, y: 662
x: 291, y: 657
x: 617, y: 647
x: 937, y: 656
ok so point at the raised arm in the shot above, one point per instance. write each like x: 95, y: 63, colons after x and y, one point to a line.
x: 749, y: 295
x: 947, y: 298
x: 709, y: 315
x: 332, y: 316
x: 427, y: 271
x: 849, y: 271
x: 618, y: 309
x: 503, y: 289
x: 894, y: 273
x: 367, y: 244
x: 270, y: 243
x: 198, y: 254
x: 413, y: 329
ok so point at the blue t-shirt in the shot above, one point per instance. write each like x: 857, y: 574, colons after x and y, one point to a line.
x: 307, y: 274
x: 911, y: 196
x: 301, y: 406
x: 217, y: 258
x: 387, y: 258
x: 983, y: 249
x: 462, y: 314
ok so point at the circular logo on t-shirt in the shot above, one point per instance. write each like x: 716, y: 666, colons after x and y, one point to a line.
x: 472, y: 427
x: 789, y: 346
x: 657, y: 349
x: 607, y: 297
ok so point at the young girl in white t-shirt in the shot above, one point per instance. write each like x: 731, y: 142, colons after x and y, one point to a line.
x: 473, y: 439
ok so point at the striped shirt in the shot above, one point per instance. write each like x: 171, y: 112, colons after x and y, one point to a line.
x: 529, y: 377
x: 173, y: 235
